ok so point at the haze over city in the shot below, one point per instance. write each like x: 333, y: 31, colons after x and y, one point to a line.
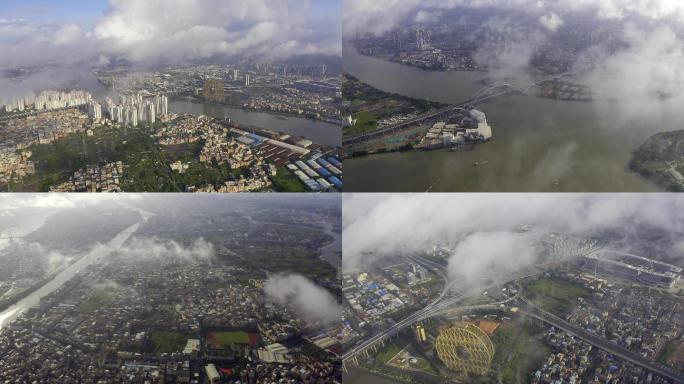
x: 585, y: 73
x: 342, y: 191
x: 535, y: 288
x: 55, y: 42
x: 169, y: 288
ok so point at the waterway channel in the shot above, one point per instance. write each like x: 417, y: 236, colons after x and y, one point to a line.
x: 315, y: 130
x: 94, y: 255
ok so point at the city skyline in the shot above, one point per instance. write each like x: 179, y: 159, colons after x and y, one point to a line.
x: 54, y: 41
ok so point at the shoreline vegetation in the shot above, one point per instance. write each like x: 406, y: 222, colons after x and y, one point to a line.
x: 660, y: 160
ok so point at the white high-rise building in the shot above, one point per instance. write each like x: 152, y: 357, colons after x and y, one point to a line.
x: 235, y: 74
x: 161, y: 103
x: 94, y: 110
x: 133, y: 118
x: 48, y: 100
x: 246, y: 79
x: 15, y: 105
x: 150, y: 112
x: 125, y: 116
x: 115, y: 113
x: 141, y: 112
x: 133, y: 110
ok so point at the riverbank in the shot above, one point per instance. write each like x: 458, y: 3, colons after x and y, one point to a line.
x: 660, y: 160
x: 314, y: 130
x: 99, y: 251
x: 197, y: 100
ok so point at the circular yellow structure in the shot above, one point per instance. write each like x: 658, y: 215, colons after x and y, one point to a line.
x: 466, y: 348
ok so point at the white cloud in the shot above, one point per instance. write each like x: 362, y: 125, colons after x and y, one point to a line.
x: 55, y: 201
x: 551, y: 21
x: 310, y: 301
x: 50, y: 200
x: 490, y: 254
x: 150, y: 248
x: 636, y: 74
x: 181, y: 30
x: 67, y: 34
x: 155, y: 32
x: 25, y: 44
x: 379, y: 16
x: 376, y: 17
x: 646, y: 78
x: 426, y: 17
x: 386, y: 225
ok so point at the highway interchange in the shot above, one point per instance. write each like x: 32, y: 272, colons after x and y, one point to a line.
x: 449, y: 301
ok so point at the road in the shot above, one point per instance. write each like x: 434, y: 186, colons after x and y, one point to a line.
x: 481, y: 96
x: 443, y: 305
x: 599, y: 342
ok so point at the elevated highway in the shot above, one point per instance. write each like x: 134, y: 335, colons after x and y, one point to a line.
x: 535, y: 312
x: 445, y: 305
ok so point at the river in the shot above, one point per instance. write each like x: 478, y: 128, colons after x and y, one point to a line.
x: 315, y: 130
x: 331, y: 251
x: 94, y: 255
x: 24, y: 228
x: 539, y: 144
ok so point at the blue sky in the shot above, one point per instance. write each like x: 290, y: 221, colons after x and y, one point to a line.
x: 149, y: 32
x: 86, y: 12
x: 327, y: 8
x: 81, y: 11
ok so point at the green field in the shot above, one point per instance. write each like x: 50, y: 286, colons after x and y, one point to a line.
x: 146, y: 163
x: 183, y: 152
x: 277, y: 258
x: 424, y: 365
x: 554, y: 295
x: 368, y: 105
x: 651, y: 159
x: 406, y: 342
x: 389, y: 352
x: 519, y: 350
x: 222, y: 339
x: 161, y: 314
x: 168, y: 341
x: 96, y: 300
x: 55, y: 163
x: 286, y: 181
x: 669, y: 349
x: 365, y: 122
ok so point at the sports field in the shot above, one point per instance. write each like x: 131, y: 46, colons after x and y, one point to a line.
x: 226, y: 338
